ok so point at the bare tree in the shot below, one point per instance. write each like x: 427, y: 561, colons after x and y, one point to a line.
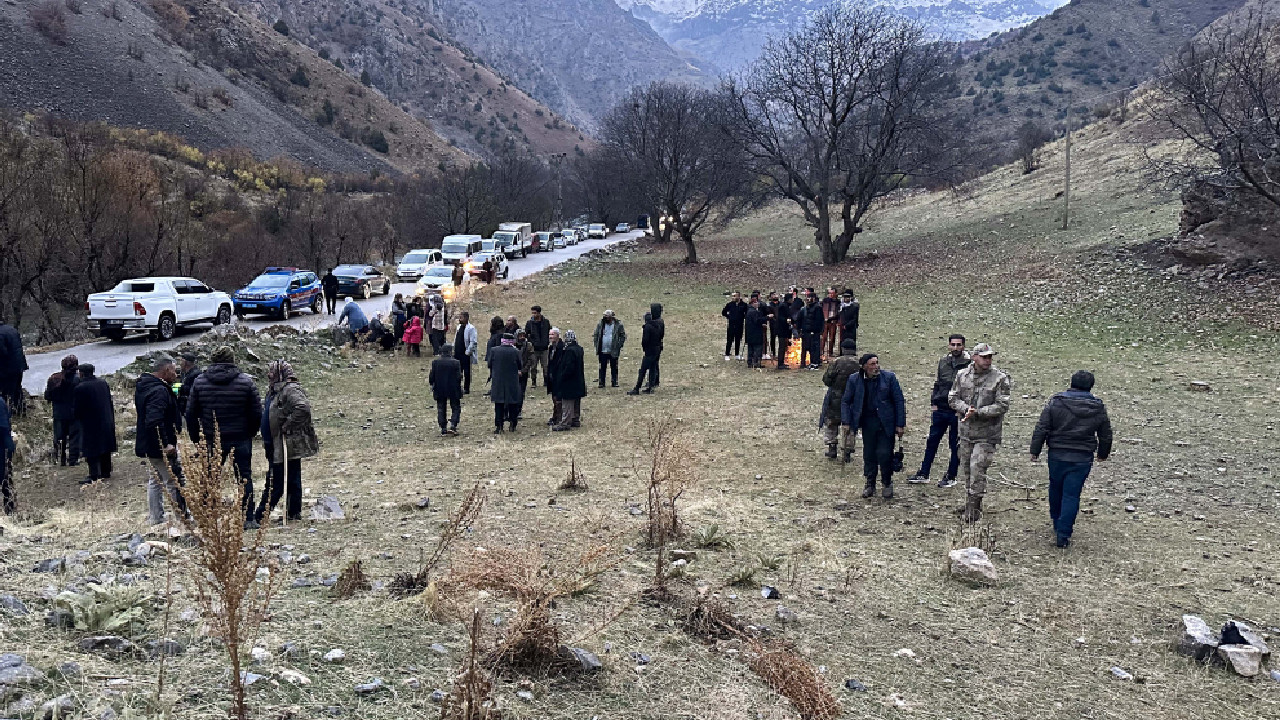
x: 1031, y: 138
x: 598, y: 186
x: 671, y: 142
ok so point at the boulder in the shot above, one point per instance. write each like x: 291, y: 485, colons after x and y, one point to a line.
x: 293, y: 677
x: 336, y: 655
x: 1245, y: 660
x: 1238, y: 633
x: 12, y: 605
x: 1197, y: 639
x: 372, y: 686
x: 111, y: 645
x: 972, y: 565
x: 16, y: 676
x: 327, y: 507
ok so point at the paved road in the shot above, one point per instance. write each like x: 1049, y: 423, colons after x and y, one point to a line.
x: 108, y: 357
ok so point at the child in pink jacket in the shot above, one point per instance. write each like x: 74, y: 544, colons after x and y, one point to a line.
x: 413, y: 337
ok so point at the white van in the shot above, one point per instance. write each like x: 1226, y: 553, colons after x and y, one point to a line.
x: 415, y: 263
x: 458, y: 249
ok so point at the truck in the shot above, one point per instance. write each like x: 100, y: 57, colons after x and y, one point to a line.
x: 517, y: 236
x: 157, y: 305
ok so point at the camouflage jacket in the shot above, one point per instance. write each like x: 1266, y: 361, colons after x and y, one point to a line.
x: 835, y: 378
x: 988, y: 395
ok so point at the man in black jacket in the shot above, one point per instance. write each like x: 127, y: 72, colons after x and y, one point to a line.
x: 96, y: 414
x: 944, y: 420
x: 446, y: 387
x: 157, y: 438
x: 538, y: 332
x: 810, y: 323
x: 187, y: 374
x: 13, y: 364
x: 780, y: 326
x: 59, y: 391
x: 1075, y: 425
x: 754, y: 332
x: 735, y: 311
x: 848, y: 318
x: 329, y: 286
x: 651, y: 342
x: 226, y: 401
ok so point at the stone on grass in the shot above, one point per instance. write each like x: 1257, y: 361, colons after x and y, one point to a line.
x: 1239, y: 633
x: 293, y: 677
x: 854, y: 685
x: 1199, y: 386
x: 769, y: 592
x: 16, y: 675
x: 524, y: 695
x: 437, y: 695
x: 249, y: 678
x: 12, y: 605
x: 51, y: 565
x: 166, y: 646
x: 1197, y: 639
x: 423, y: 503
x: 335, y: 655
x: 21, y: 706
x: 587, y: 659
x: 1120, y: 673
x: 1275, y: 675
x: 327, y: 507
x: 372, y: 686
x: 1244, y: 660
x: 972, y: 565
x: 58, y: 708
x: 786, y: 615
x: 70, y: 670
x: 261, y: 656
x: 111, y: 645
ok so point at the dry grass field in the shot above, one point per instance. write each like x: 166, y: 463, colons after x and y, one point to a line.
x: 1183, y: 519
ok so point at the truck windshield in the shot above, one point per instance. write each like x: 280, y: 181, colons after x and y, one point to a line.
x: 504, y: 237
x: 415, y: 258
x: 457, y: 247
x: 134, y: 287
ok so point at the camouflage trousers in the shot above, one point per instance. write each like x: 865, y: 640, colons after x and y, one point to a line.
x: 975, y: 458
x: 831, y: 434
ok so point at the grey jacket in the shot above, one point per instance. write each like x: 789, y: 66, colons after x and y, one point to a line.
x: 291, y: 428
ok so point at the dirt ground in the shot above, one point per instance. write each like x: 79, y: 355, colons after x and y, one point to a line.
x: 1182, y: 519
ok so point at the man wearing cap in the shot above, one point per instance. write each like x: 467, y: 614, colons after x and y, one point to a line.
x: 944, y: 420
x: 609, y: 338
x: 225, y: 401
x: 831, y: 314
x: 980, y: 396
x: 538, y: 330
x: 1075, y: 426
x: 836, y: 378
x: 848, y: 317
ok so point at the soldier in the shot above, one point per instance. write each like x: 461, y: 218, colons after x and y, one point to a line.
x: 980, y: 396
x: 835, y: 378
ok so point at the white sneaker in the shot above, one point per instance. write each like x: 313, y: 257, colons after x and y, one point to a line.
x: 727, y: 358
x: 766, y: 356
x: 739, y: 357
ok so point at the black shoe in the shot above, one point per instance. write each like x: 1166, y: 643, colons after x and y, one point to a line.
x: 1063, y: 541
x: 615, y: 384
x: 870, y: 490
x: 551, y: 422
x: 453, y: 429
x: 634, y: 392
x: 575, y: 423
x: 848, y: 456
x: 600, y: 384
x: 88, y: 481
x: 513, y: 427
x: 947, y: 481
x: 831, y: 451
x: 251, y: 525
x: 648, y: 390
x: 497, y: 430
x: 887, y: 492
x: 443, y: 432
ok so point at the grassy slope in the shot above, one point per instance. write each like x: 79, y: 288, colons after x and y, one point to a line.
x: 863, y: 576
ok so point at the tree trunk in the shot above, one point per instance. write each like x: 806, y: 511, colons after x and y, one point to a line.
x: 822, y: 235
x: 690, y: 252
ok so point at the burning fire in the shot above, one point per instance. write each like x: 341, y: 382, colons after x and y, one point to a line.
x: 793, y: 353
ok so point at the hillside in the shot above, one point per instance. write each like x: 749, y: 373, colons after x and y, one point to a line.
x: 1081, y: 59
x: 202, y: 71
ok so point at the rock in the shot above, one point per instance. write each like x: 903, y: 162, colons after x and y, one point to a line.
x: 524, y: 695
x: 689, y: 555
x: 854, y: 685
x: 327, y: 507
x: 437, y: 696
x: 51, y: 565
x: 249, y: 678
x: 16, y: 674
x: 905, y: 653
x: 587, y: 659
x: 60, y: 619
x: 261, y: 656
x: 288, y: 649
x: 769, y: 592
x: 70, y: 670
x: 412, y: 683
x: 640, y: 658
x: 109, y: 713
x: 293, y: 677
x: 336, y: 655
x: 1199, y: 386
x: 1239, y: 633
x: 12, y: 605
x: 111, y: 645
x: 1120, y: 673
x: 20, y: 707
x: 1197, y: 639
x: 167, y: 647
x: 303, y: 559
x: 1130, y: 509
x: 58, y: 708
x: 1275, y: 675
x: 786, y: 615
x: 1245, y: 660
x: 372, y: 686
x: 423, y: 504
x: 972, y: 565
x: 438, y: 648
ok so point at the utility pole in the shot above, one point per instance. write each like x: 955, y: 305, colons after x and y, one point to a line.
x: 1066, y: 189
x: 558, y: 160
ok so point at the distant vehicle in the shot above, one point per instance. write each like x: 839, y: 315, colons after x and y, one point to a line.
x: 159, y: 305
x: 597, y: 230
x: 476, y: 266
x: 623, y: 227
x: 458, y: 249
x: 519, y: 235
x: 572, y: 236
x: 279, y: 291
x: 642, y: 222
x: 559, y: 242
x: 543, y: 241
x: 415, y: 263
x: 361, y: 281
x: 439, y: 279
x: 582, y: 231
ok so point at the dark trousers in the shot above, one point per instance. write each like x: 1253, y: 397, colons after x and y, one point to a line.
x: 414, y: 349
x: 734, y: 338
x: 877, y: 452
x: 6, y: 480
x: 944, y: 422
x: 331, y: 304
x: 437, y: 341
x: 287, y: 482
x: 1066, y: 481
x: 754, y: 354
x: 649, y: 365
x: 241, y: 452
x: 506, y: 412
x: 99, y: 466
x: 811, y: 349
x: 829, y: 332
x: 784, y: 345
x: 11, y: 392
x: 607, y: 360
x: 66, y: 441
x: 466, y: 373
x: 570, y: 412
x: 444, y: 404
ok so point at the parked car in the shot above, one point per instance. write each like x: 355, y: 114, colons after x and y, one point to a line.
x: 458, y: 249
x: 361, y: 281
x: 543, y: 241
x: 623, y: 227
x: 159, y: 305
x: 597, y: 230
x: 279, y: 291
x: 571, y: 236
x: 501, y: 269
x: 416, y: 262
x: 439, y: 279
x: 559, y: 242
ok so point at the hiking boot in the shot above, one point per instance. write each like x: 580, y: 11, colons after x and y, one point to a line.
x: 870, y: 490
x: 831, y: 450
x: 918, y: 479
x: 947, y: 481
x: 887, y: 492
x: 973, y: 509
x: 443, y: 432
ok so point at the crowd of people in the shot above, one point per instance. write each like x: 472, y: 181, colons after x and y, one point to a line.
x: 768, y: 325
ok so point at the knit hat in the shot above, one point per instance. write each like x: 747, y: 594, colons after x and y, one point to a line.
x: 570, y: 336
x: 848, y: 346
x: 224, y: 354
x: 69, y: 363
x: 608, y: 313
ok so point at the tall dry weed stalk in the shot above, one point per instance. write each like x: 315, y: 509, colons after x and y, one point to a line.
x: 667, y: 477
x: 471, y: 699
x: 575, y: 479
x: 457, y: 525
x: 224, y: 571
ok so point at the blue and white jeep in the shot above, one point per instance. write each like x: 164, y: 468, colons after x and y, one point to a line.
x: 280, y: 291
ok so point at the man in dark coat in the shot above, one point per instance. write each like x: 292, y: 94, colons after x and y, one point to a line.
x: 780, y: 326
x: 944, y: 420
x: 608, y: 339
x: 59, y: 391
x: 446, y: 387
x: 188, y: 373
x: 651, y: 337
x: 13, y: 363
x: 96, y: 415
x: 555, y: 352
x: 754, y: 333
x: 329, y: 286
x: 504, y: 369
x: 7, y: 498
x: 810, y: 323
x: 830, y: 313
x: 570, y: 383
x: 873, y: 403
x: 1075, y: 426
x: 795, y: 301
x: 226, y: 401
x: 848, y: 317
x: 538, y: 330
x: 735, y: 312
x: 836, y: 378
x: 157, y: 438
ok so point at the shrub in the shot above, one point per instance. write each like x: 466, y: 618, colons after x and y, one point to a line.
x: 75, y: 6
x: 281, y: 27
x: 49, y: 20
x: 172, y: 16
x: 365, y: 79
x: 299, y: 77
x: 375, y: 139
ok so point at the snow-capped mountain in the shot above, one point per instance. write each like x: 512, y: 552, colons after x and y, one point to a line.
x: 730, y: 33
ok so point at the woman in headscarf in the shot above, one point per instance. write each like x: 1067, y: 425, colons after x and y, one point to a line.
x: 438, y: 321
x: 381, y: 335
x: 293, y: 437
x: 570, y: 383
x: 399, y: 316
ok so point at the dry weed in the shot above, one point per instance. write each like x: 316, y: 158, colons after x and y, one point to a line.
x: 471, y: 699
x: 352, y: 580
x: 667, y: 478
x: 575, y: 479
x: 784, y: 670
x: 458, y: 524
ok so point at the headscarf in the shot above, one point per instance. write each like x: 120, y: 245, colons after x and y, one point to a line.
x: 347, y: 300
x: 570, y: 336
x: 279, y: 372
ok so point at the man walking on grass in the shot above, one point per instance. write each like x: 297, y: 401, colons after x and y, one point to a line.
x: 944, y: 420
x: 873, y: 403
x: 735, y: 312
x: 836, y: 378
x: 446, y: 387
x: 653, y: 332
x: 159, y: 422
x: 225, y: 405
x: 980, y: 396
x: 609, y: 338
x: 538, y: 331
x: 1075, y: 426
x: 848, y: 317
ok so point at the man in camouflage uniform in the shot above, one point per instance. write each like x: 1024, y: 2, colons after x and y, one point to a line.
x: 980, y: 396
x: 835, y: 378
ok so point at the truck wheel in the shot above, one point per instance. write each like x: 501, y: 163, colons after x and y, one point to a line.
x: 167, y: 327
x: 285, y: 309
x: 224, y: 315
x: 116, y: 335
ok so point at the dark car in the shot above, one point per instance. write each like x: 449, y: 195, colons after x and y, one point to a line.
x: 361, y: 281
x: 279, y: 291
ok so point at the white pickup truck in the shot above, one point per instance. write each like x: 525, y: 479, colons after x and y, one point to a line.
x: 158, y: 305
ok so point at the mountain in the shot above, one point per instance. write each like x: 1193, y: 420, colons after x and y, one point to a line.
x: 730, y: 33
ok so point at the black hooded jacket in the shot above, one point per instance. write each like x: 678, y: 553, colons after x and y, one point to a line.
x: 1075, y: 425
x: 225, y: 398
x: 654, y: 330
x: 158, y: 420
x: 735, y: 311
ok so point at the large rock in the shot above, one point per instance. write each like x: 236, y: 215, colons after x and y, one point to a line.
x: 327, y: 507
x: 111, y: 645
x: 1238, y: 633
x: 972, y: 565
x: 1197, y: 639
x: 16, y: 676
x: 1245, y: 660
